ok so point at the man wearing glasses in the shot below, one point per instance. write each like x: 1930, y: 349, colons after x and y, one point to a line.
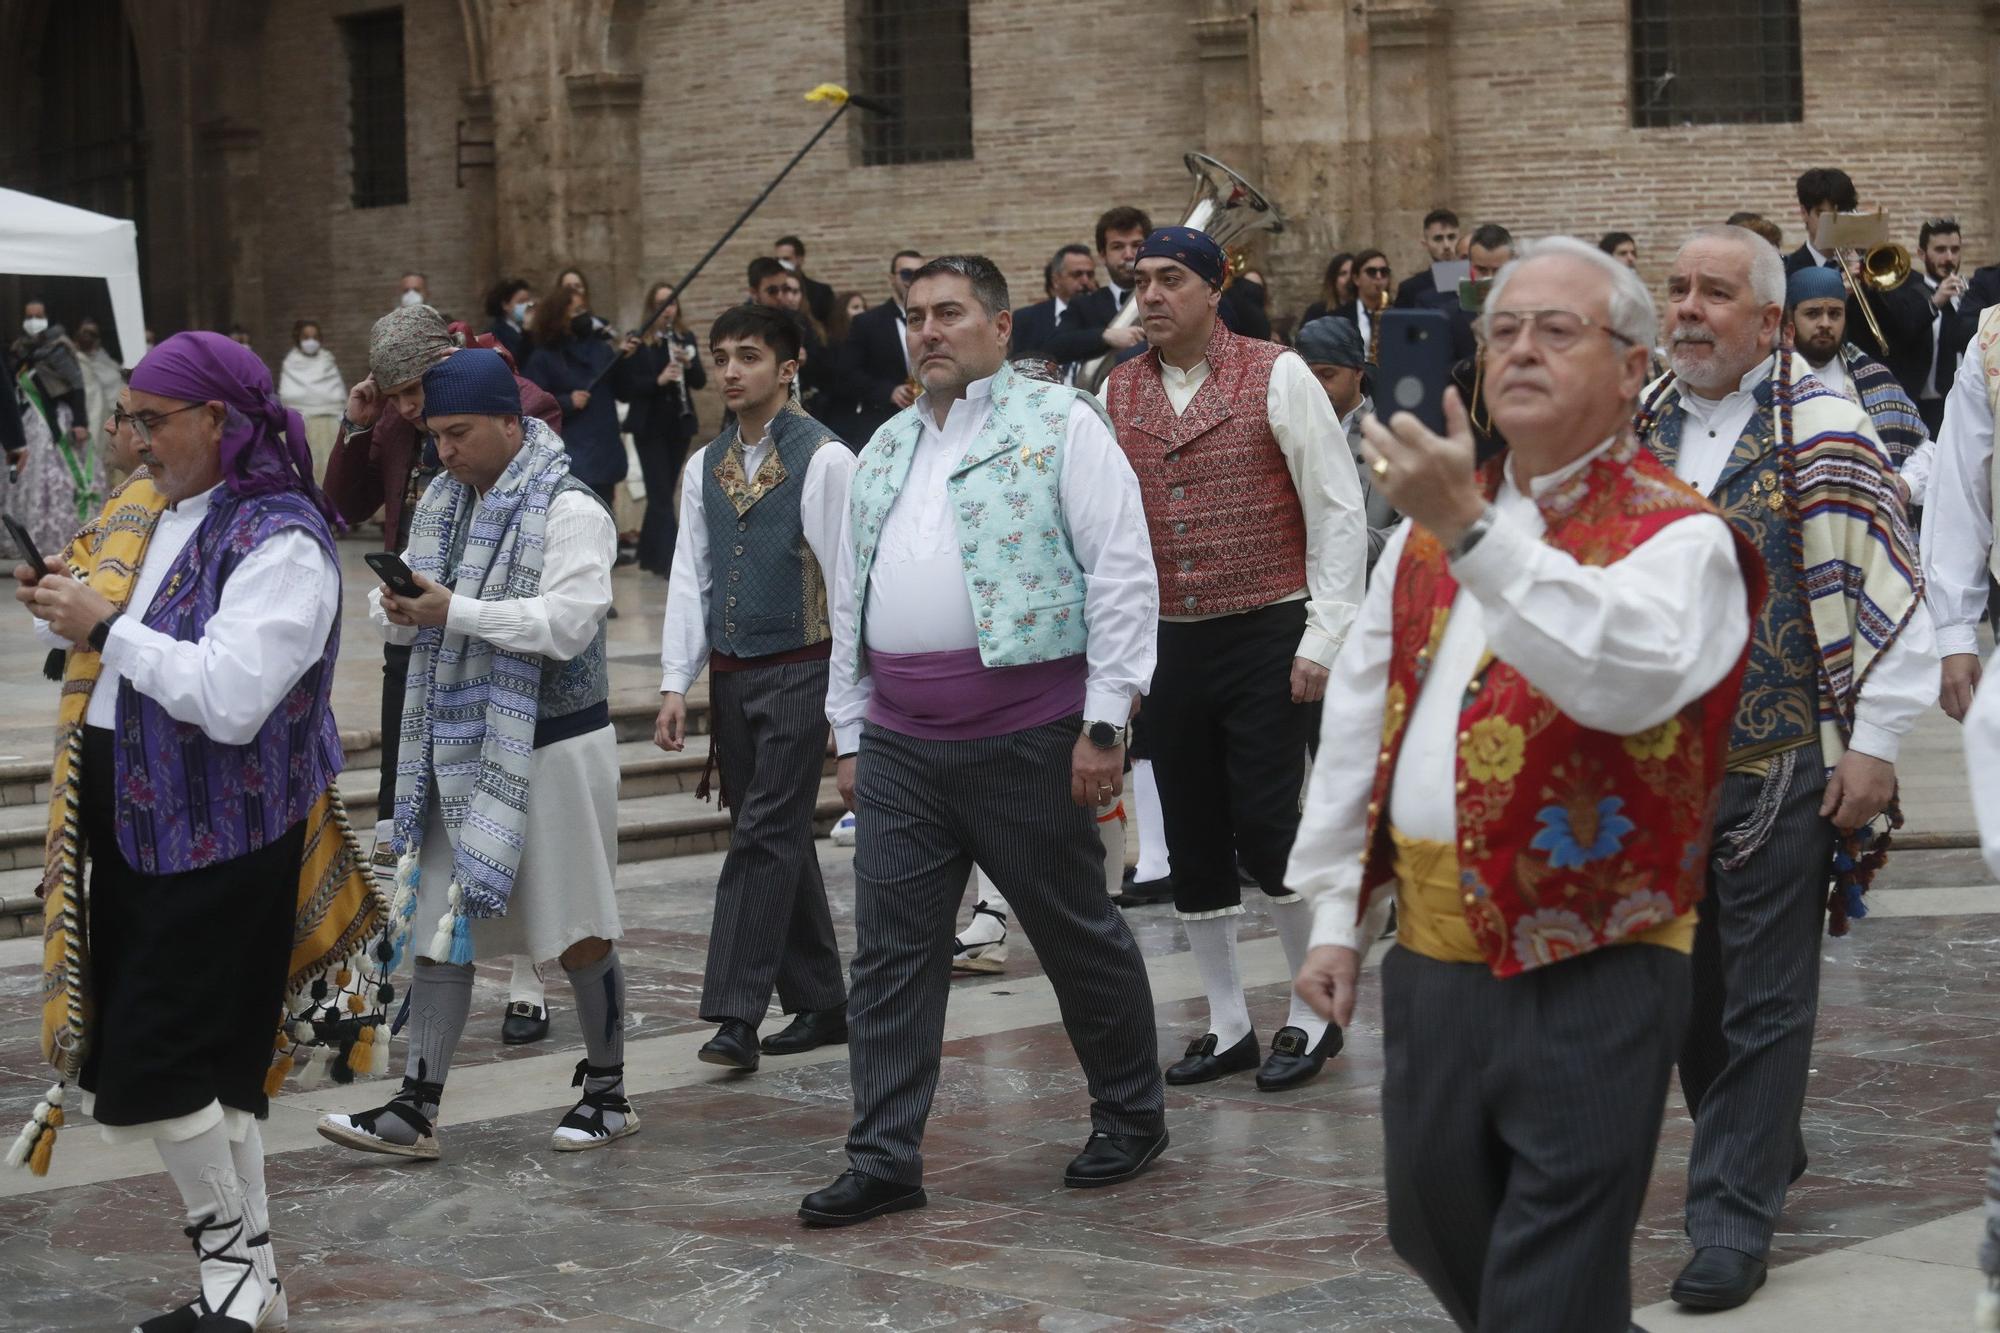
x: 1842, y: 662
x: 1520, y: 742
x: 876, y: 362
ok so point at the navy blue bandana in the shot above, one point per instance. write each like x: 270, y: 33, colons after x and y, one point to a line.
x: 1186, y: 246
x: 472, y: 382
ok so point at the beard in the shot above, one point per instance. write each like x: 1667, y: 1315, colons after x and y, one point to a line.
x: 1819, y: 350
x: 1726, y: 364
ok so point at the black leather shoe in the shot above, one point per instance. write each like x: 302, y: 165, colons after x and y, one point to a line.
x: 1718, y: 1278
x: 524, y: 1023
x: 1290, y: 1063
x: 808, y: 1029
x: 1147, y: 892
x: 1201, y: 1064
x: 1107, y: 1159
x: 734, y: 1046
x: 856, y: 1198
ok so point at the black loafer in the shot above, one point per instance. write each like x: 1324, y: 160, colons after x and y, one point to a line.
x: 524, y: 1023
x: 1290, y: 1063
x: 1147, y: 892
x: 856, y: 1198
x: 809, y: 1029
x: 1718, y: 1278
x: 734, y: 1046
x: 1107, y: 1159
x: 1201, y: 1064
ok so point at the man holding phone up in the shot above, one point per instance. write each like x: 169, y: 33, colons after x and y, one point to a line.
x: 1523, y: 738
x: 1259, y: 535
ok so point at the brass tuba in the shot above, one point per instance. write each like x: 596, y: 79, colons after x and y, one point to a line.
x: 1228, y: 208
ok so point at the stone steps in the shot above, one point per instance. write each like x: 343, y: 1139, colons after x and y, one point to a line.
x: 658, y: 813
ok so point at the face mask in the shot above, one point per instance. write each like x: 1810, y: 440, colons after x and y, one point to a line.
x: 310, y: 346
x: 522, y: 309
x: 788, y: 266
x: 33, y: 327
x: 412, y: 297
x: 581, y: 326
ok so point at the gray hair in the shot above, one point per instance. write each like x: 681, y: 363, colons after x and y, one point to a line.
x: 989, y: 285
x: 1767, y: 266
x: 1633, y: 315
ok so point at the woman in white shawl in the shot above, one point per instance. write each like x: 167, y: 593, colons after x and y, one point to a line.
x: 310, y: 385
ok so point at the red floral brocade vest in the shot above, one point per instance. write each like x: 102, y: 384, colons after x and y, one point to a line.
x: 1568, y: 839
x: 1228, y: 533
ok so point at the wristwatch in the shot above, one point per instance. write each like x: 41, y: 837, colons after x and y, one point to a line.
x: 1472, y: 536
x: 1106, y: 735
x: 100, y: 633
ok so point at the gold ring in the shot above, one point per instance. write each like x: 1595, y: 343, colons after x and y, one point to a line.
x: 1380, y: 467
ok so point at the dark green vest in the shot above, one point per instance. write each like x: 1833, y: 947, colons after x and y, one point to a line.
x: 767, y: 593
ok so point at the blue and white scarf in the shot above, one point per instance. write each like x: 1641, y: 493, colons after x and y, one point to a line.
x: 469, y: 709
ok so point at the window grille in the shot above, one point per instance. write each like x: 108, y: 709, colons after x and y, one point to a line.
x: 916, y: 55
x: 1715, y: 62
x: 375, y: 108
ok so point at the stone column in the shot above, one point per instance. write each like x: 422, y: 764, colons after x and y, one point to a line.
x: 603, y: 188
x: 1409, y: 67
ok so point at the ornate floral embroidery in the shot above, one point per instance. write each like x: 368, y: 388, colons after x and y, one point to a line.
x: 1493, y: 749
x: 1577, y: 834
x: 1655, y: 742
x: 1549, y: 936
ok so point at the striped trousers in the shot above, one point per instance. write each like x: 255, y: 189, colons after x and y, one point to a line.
x: 772, y: 926
x: 1519, y: 1118
x: 1756, y: 994
x: 925, y: 811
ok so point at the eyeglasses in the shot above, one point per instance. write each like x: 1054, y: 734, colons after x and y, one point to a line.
x: 908, y: 274
x: 1374, y: 271
x: 1554, y: 330
x: 143, y: 424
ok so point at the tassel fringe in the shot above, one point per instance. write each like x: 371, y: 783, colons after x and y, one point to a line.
x: 37, y: 1139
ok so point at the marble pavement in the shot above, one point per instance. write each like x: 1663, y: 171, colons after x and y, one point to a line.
x: 1265, y: 1214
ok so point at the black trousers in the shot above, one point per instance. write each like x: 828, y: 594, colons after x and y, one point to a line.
x: 395, y: 678
x: 659, y: 464
x: 1519, y: 1119
x: 187, y: 971
x: 1229, y: 751
x: 1932, y: 411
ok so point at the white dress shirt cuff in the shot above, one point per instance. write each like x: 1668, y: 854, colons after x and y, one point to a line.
x: 675, y: 682
x: 847, y: 737
x: 1317, y: 647
x: 1102, y: 703
x: 126, y: 641
x: 1874, y: 740
x: 462, y: 615
x: 1334, y: 915
x: 1958, y: 639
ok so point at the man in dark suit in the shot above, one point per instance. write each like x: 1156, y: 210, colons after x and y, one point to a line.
x: 775, y: 287
x: 791, y: 252
x: 875, y: 364
x: 1903, y: 313
x: 1441, y: 242
x: 1070, y: 276
x: 1953, y: 318
x: 1084, y: 332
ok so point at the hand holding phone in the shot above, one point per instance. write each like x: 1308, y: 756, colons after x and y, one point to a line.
x: 395, y: 575
x: 25, y: 544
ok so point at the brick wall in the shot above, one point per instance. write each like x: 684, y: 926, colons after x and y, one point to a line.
x: 1895, y: 95
x: 325, y: 259
x: 1064, y: 126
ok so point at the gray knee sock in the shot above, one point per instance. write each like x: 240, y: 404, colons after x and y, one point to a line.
x: 440, y: 998
x: 600, y: 1008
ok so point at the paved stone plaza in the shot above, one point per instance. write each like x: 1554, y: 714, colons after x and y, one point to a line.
x: 1266, y: 1212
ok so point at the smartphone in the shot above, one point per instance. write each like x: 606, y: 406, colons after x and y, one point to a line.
x: 1415, y: 365
x: 30, y: 555
x: 389, y: 567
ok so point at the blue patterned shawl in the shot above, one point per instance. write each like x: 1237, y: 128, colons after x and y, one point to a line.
x: 469, y: 710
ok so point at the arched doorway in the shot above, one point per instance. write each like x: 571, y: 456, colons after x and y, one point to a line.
x: 77, y: 134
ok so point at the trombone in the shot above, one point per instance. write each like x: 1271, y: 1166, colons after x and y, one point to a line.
x: 1884, y: 267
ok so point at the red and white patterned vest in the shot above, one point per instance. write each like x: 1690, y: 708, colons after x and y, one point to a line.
x: 1568, y: 839
x: 1228, y: 533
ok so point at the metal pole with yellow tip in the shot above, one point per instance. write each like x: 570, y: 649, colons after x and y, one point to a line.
x: 826, y: 92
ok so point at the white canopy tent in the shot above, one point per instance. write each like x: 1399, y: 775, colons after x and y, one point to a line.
x: 39, y: 236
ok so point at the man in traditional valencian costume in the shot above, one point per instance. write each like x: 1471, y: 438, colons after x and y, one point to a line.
x: 1841, y: 664
x: 507, y: 771
x: 1522, y: 743
x: 1260, y: 537
x: 196, y: 754
x: 760, y: 515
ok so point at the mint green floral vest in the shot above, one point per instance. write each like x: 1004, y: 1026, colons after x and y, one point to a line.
x: 1026, y: 586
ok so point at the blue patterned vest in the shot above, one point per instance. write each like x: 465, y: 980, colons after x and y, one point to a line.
x: 576, y: 695
x: 1779, y: 706
x: 186, y: 800
x: 1026, y: 586
x: 768, y: 593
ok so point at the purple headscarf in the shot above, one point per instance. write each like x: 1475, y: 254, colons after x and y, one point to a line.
x: 264, y: 443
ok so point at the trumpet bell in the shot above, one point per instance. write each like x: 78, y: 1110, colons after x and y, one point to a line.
x: 1885, y: 267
